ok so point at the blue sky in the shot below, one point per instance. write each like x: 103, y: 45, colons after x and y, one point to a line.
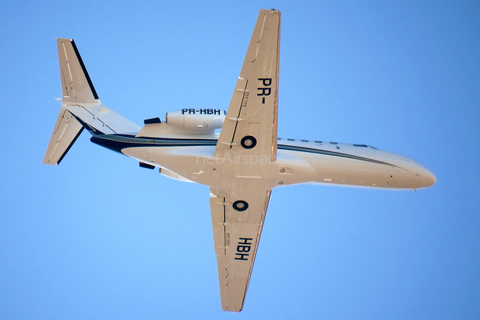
x: 99, y: 238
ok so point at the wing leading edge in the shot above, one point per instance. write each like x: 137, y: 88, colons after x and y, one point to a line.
x: 246, y: 147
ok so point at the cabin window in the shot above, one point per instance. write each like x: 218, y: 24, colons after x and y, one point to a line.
x: 279, y: 138
x: 316, y: 141
x: 291, y: 139
x: 360, y: 145
x: 334, y: 142
x: 304, y: 140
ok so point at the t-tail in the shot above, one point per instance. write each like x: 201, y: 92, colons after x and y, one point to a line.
x: 81, y: 108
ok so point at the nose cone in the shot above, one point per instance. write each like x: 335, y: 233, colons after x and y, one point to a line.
x: 412, y: 175
x: 427, y: 178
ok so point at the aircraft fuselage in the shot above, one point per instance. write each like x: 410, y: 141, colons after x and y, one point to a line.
x: 298, y: 161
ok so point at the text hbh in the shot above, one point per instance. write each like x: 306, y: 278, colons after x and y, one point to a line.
x: 243, y: 249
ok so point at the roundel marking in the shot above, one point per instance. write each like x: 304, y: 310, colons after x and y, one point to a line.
x: 240, y: 205
x: 248, y: 142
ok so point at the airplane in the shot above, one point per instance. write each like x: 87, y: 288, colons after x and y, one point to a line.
x: 241, y: 164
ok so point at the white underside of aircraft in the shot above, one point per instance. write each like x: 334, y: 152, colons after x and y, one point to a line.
x: 241, y: 165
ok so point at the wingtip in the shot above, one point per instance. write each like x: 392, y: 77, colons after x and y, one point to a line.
x: 65, y: 39
x: 273, y: 10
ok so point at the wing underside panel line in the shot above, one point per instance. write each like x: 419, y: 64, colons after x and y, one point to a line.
x: 242, y: 104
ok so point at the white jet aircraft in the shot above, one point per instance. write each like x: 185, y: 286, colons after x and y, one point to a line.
x: 241, y: 164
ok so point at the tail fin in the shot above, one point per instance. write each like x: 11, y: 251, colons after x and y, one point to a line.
x: 81, y: 107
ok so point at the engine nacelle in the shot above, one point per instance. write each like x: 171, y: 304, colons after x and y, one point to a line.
x: 197, y: 119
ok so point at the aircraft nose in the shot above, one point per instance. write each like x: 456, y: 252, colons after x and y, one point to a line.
x: 427, y: 178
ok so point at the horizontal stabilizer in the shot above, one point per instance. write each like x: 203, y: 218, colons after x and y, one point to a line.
x: 66, y: 131
x: 76, y: 83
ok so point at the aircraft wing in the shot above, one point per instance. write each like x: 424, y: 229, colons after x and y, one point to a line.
x: 246, y: 147
x: 236, y: 236
x: 253, y: 108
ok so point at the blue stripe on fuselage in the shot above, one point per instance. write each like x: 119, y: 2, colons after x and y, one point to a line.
x: 117, y: 142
